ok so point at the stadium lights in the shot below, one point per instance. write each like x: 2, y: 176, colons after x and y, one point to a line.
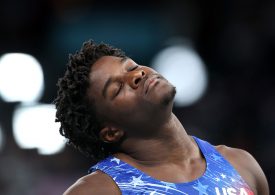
x: 21, y: 78
x: 34, y: 127
x: 183, y: 67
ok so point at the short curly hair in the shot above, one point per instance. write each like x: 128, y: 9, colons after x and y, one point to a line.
x: 75, y: 111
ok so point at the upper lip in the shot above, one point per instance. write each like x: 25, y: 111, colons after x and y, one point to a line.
x: 148, y: 80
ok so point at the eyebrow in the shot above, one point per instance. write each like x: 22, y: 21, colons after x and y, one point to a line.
x: 110, y: 79
x: 124, y: 59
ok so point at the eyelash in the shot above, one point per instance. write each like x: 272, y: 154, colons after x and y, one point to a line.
x: 121, y: 84
x: 120, y: 87
x: 133, y: 68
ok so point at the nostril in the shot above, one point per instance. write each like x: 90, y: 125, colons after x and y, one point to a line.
x: 137, y: 81
x: 142, y: 73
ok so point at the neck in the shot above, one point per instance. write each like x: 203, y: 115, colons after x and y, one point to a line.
x: 170, y: 144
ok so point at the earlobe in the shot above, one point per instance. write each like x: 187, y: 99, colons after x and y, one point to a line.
x: 110, y: 134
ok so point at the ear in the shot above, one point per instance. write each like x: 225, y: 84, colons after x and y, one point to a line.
x: 110, y: 134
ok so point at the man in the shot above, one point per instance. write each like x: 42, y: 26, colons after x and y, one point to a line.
x: 120, y: 113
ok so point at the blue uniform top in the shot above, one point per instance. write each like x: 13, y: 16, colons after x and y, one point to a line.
x: 219, y: 178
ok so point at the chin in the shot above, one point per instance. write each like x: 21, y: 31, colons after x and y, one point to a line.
x: 169, y: 97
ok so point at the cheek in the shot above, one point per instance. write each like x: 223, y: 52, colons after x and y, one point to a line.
x: 120, y: 108
x: 128, y: 109
x: 126, y: 103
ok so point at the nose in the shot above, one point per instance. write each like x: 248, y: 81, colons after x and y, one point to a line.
x: 135, y: 77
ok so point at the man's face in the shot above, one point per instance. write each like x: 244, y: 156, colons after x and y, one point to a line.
x: 127, y: 94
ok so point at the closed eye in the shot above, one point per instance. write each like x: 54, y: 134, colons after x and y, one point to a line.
x: 132, y: 68
x: 121, y: 84
x: 118, y: 90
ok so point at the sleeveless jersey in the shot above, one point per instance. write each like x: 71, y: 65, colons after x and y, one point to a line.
x: 219, y: 178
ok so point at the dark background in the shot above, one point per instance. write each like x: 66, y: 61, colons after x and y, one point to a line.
x: 235, y: 39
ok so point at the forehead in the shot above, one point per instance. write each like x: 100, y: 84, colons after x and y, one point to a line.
x: 102, y: 69
x: 106, y: 62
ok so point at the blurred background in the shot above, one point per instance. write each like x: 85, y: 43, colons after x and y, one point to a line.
x: 219, y: 54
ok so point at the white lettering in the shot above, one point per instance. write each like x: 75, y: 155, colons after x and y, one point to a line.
x: 243, y: 191
x: 231, y: 191
x: 217, y: 191
x: 224, y: 191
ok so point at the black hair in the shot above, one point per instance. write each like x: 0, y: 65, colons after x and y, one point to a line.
x: 75, y: 110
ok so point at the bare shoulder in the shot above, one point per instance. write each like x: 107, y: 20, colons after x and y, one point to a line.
x: 93, y: 184
x: 247, y: 167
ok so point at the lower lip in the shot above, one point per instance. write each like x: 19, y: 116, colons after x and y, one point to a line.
x: 152, y: 84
